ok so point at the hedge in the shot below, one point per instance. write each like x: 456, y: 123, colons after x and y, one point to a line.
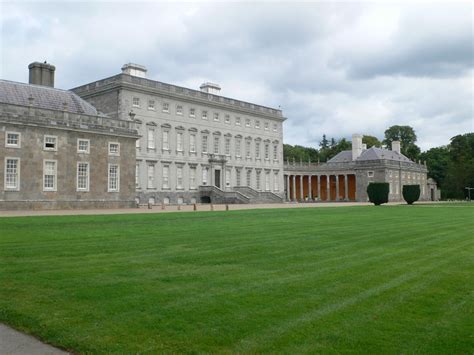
x: 378, y: 192
x: 411, y: 193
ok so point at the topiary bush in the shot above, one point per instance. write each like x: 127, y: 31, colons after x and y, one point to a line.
x: 411, y: 193
x: 378, y: 192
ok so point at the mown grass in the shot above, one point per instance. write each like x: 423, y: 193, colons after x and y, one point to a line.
x: 352, y: 279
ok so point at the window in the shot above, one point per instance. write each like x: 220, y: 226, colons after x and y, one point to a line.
x: 227, y: 177
x: 205, y: 171
x: 275, y: 127
x: 237, y: 121
x: 179, y: 141
x: 192, y: 143
x: 267, y: 181
x: 370, y: 174
x: 82, y: 176
x: 266, y: 126
x: 137, y: 176
x: 12, y: 174
x: 204, y: 144
x: 137, y: 143
x: 114, y: 148
x: 49, y: 175
x: 204, y: 115
x: 166, y: 107
x: 179, y: 110
x: 83, y: 146
x: 267, y: 151
x: 238, y: 177
x: 227, y: 146
x: 237, y: 147
x: 249, y: 177
x: 257, y: 150
x: 113, y: 180
x: 257, y: 124
x: 216, y: 116
x: 50, y: 143
x: 166, y: 175
x: 258, y: 180
x: 151, y: 105
x: 247, y: 122
x: 150, y: 176
x: 216, y: 145
x: 136, y: 102
x: 192, y: 177
x: 12, y: 140
x: 151, y: 138
x: 227, y: 119
x: 275, y: 152
x: 179, y: 177
x: 275, y: 181
x: 166, y: 143
x: 192, y: 112
x: 247, y: 148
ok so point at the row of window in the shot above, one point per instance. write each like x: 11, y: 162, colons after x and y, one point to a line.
x: 205, y: 174
x: 13, y: 140
x: 216, y: 116
x: 216, y: 144
x: 50, y: 176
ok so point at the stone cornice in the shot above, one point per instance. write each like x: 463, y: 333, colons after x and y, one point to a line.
x: 147, y: 86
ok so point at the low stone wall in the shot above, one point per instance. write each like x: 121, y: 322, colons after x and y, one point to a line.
x: 63, y: 205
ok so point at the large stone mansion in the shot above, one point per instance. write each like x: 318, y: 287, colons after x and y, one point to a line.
x: 127, y: 139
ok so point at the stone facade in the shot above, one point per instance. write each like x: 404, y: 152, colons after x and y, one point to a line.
x: 346, y: 176
x: 191, y: 139
x: 51, y: 159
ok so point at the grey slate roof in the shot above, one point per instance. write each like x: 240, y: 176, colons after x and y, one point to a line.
x: 44, y: 97
x: 372, y: 153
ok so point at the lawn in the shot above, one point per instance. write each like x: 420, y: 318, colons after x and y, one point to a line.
x: 389, y: 279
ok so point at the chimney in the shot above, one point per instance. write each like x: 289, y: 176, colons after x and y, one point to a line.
x: 356, y: 146
x: 134, y: 70
x: 396, y: 146
x: 364, y: 146
x: 41, y: 74
x: 210, y: 88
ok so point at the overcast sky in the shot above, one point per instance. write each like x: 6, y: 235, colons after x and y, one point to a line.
x: 337, y: 68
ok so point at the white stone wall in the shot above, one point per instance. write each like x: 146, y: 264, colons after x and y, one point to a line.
x: 221, y: 123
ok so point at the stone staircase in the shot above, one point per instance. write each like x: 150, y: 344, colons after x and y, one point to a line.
x: 239, y: 194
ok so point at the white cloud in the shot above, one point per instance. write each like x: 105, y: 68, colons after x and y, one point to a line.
x: 333, y: 68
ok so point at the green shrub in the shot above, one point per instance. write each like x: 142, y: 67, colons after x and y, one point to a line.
x: 411, y: 193
x: 378, y: 192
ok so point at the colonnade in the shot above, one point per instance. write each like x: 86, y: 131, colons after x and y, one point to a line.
x: 321, y: 187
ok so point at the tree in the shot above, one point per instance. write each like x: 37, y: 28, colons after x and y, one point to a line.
x: 371, y: 141
x: 437, y: 160
x: 460, y: 172
x: 407, y: 137
x: 300, y: 153
x: 378, y: 192
x: 411, y: 193
x: 324, y: 144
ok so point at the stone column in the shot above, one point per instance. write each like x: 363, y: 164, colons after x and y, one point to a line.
x: 310, y: 193
x: 301, y: 188
x: 337, y: 187
x: 293, y: 188
x: 319, y: 187
x: 288, y: 195
x: 346, y: 187
x: 328, y: 187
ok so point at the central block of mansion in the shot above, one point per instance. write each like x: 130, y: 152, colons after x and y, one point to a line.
x: 195, y: 145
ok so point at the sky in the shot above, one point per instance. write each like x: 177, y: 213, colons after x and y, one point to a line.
x: 334, y: 68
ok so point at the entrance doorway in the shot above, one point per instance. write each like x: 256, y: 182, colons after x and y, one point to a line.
x: 432, y: 194
x: 217, y: 178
